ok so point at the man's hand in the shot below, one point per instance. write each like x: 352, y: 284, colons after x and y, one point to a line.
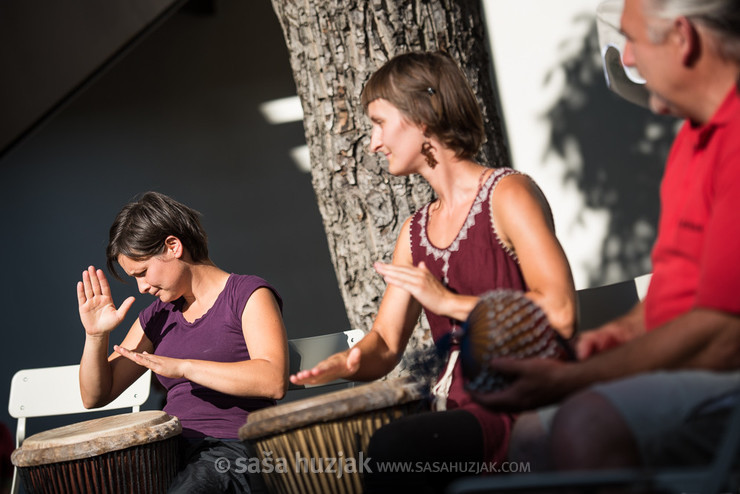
x: 535, y: 382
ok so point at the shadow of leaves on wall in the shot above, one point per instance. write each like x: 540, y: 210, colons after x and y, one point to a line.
x: 614, y: 153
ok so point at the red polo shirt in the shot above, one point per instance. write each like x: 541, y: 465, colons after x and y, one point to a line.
x: 696, y: 258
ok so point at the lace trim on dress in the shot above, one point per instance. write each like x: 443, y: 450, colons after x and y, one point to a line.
x: 506, y: 248
x: 476, y: 208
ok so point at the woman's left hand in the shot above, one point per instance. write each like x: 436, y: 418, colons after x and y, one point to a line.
x: 173, y: 368
x: 419, y: 282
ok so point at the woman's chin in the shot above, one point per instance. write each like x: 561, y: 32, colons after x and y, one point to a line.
x: 399, y: 171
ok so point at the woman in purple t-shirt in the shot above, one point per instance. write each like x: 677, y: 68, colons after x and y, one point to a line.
x: 216, y: 341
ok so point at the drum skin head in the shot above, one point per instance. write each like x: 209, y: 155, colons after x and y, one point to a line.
x: 330, y: 406
x: 95, y: 437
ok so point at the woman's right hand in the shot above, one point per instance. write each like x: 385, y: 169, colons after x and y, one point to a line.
x: 98, y: 314
x: 340, y: 365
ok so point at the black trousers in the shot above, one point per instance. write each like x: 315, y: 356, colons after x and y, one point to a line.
x: 215, y: 466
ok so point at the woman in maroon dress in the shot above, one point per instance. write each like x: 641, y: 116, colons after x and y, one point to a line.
x: 486, y: 229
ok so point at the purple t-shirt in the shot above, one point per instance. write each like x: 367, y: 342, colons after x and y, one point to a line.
x: 216, y: 336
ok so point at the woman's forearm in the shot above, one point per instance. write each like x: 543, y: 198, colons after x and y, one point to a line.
x: 95, y: 372
x: 258, y: 377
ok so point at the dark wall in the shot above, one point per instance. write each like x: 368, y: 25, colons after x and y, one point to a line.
x: 178, y: 114
x: 48, y: 48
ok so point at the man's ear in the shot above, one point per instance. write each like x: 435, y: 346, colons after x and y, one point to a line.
x: 689, y: 41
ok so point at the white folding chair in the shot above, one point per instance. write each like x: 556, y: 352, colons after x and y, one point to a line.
x: 51, y: 391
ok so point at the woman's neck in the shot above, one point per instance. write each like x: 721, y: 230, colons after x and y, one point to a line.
x: 455, y: 182
x: 206, y: 281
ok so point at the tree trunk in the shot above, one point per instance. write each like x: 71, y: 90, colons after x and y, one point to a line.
x: 335, y: 45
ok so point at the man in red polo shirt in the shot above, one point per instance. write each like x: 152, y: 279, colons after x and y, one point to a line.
x: 663, y: 374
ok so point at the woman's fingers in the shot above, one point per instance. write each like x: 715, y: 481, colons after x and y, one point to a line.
x: 81, y: 297
x: 94, y: 281
x: 102, y: 282
x: 87, y: 284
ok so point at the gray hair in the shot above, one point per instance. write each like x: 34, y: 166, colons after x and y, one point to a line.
x: 722, y: 17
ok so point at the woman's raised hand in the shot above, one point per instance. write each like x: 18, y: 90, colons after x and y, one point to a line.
x: 98, y: 313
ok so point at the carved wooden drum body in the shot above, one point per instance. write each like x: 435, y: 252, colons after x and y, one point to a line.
x: 505, y: 323
x: 319, y: 444
x: 131, y: 453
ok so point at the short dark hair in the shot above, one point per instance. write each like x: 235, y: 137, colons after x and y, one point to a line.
x: 142, y: 226
x: 429, y: 89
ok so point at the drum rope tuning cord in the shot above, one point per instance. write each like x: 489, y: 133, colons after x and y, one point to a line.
x: 131, y: 452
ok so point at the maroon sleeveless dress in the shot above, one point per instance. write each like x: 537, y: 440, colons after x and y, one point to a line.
x: 475, y: 262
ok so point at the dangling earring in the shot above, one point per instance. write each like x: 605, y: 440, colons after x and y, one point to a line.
x: 426, y: 150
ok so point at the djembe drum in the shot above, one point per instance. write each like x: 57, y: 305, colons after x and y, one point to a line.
x: 132, y: 453
x: 322, y: 440
x: 505, y: 323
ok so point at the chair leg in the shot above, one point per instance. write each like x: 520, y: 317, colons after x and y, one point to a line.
x: 15, y: 486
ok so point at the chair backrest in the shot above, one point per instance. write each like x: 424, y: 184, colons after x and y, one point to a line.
x: 601, y: 304
x: 52, y: 391
x: 641, y: 285
x: 307, y: 352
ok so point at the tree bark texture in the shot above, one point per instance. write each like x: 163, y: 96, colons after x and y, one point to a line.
x: 335, y: 45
